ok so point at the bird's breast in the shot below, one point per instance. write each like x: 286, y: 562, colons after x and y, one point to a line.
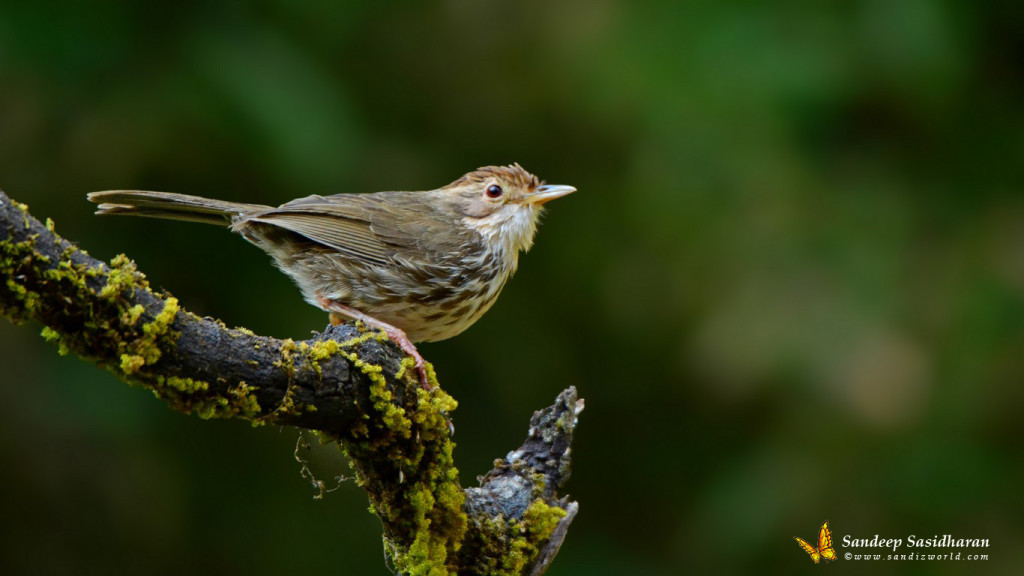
x: 457, y: 297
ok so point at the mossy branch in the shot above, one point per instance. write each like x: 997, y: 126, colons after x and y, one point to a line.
x: 347, y: 384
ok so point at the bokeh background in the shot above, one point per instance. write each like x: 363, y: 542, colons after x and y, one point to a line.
x: 789, y: 288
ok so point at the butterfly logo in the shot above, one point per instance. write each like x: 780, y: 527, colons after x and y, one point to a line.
x: 824, y: 550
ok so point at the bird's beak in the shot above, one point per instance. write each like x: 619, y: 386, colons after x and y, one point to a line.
x: 546, y: 193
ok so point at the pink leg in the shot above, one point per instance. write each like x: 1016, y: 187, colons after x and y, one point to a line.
x: 397, y: 335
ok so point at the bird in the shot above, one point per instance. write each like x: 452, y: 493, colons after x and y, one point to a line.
x: 422, y: 266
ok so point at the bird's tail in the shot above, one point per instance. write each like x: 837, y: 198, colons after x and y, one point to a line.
x: 171, y: 206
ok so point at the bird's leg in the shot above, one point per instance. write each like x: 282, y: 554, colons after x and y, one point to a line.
x: 397, y: 335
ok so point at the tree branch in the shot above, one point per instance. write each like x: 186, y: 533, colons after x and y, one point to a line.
x: 348, y: 384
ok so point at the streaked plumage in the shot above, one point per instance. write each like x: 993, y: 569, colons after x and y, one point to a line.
x: 428, y: 264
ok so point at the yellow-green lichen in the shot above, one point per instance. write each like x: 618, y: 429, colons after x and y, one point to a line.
x: 89, y: 311
x: 95, y: 321
x: 77, y: 320
x: 24, y: 212
x: 181, y: 394
x: 184, y: 385
x: 538, y: 523
x: 431, y: 414
x: 287, y: 361
x: 406, y: 371
x: 301, y: 356
x: 245, y: 400
x: 145, y: 349
x: 122, y: 278
x: 434, y: 515
x: 132, y: 315
x: 541, y: 519
x: 190, y: 395
x: 240, y: 401
x: 287, y: 405
x: 515, y: 544
x: 392, y: 416
x: 49, y: 334
x: 420, y: 500
x: 132, y: 363
x: 17, y: 302
x: 324, y: 349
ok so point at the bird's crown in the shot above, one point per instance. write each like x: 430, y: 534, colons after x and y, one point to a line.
x: 513, y: 174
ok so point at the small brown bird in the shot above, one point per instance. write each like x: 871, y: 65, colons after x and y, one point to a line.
x: 422, y: 266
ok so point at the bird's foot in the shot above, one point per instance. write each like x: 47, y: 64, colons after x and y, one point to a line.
x: 339, y: 311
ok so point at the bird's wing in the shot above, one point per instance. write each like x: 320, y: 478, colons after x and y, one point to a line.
x: 349, y: 236
x: 368, y: 226
x: 427, y: 224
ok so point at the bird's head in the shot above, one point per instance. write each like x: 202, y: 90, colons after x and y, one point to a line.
x: 503, y: 204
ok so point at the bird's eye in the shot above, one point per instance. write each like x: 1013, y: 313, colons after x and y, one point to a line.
x: 494, y: 191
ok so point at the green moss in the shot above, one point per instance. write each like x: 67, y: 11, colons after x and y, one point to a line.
x: 295, y: 357
x: 245, y: 400
x: 77, y: 321
x: 98, y: 320
x: 28, y: 300
x: 431, y: 415
x: 146, y: 348
x: 541, y: 519
x: 72, y: 277
x: 190, y: 395
x: 164, y: 319
x: 132, y: 363
x: 508, y: 546
x: 17, y: 302
x: 420, y: 499
x: 433, y: 516
x: 438, y: 522
x: 539, y: 522
x: 185, y: 385
x: 239, y: 402
x: 132, y: 315
x: 287, y: 404
x: 302, y: 355
x: 287, y: 352
x: 324, y: 349
x: 122, y: 278
x: 95, y: 320
x: 49, y: 334
x: 24, y: 212
x: 181, y: 394
x: 392, y: 415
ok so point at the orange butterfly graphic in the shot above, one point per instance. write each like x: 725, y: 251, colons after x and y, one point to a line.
x: 824, y: 549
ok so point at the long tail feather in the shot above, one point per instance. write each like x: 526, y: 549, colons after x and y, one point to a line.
x: 171, y: 206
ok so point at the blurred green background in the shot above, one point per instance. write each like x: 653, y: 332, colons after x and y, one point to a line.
x: 789, y: 288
